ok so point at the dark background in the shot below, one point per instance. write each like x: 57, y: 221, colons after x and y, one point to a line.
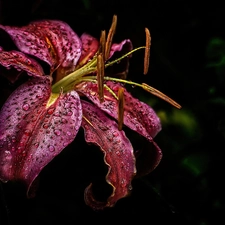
x: 188, y: 64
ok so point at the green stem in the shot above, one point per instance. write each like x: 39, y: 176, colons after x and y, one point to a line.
x: 70, y: 80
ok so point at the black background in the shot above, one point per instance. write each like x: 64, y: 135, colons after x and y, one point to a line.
x: 187, y: 187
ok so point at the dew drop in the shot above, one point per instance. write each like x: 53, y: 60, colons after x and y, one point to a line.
x: 67, y: 105
x: 27, y: 132
x: 45, y: 125
x: 36, y: 144
x: 64, y: 121
x: 65, y: 144
x: 118, y: 153
x: 39, y: 96
x: 51, y: 148
x: 123, y: 183
x: 68, y: 133
x: 13, y: 139
x: 57, y: 132
x: 57, y: 114
x: 115, y: 134
x: 50, y: 111
x: 8, y: 155
x: 69, y: 113
x: 25, y: 106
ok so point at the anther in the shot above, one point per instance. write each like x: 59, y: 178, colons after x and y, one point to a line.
x: 102, y: 44
x: 100, y: 76
x: 147, y: 50
x: 110, y: 37
x: 160, y: 95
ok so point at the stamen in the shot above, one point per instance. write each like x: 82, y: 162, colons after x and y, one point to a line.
x: 88, y: 121
x: 93, y: 80
x: 120, y: 107
x: 109, y: 63
x: 160, y: 95
x: 102, y: 44
x: 111, y: 91
x: 97, y: 64
x: 147, y: 50
x: 110, y: 37
x: 100, y: 76
x: 146, y: 87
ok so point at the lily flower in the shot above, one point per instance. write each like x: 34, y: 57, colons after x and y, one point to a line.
x: 43, y: 115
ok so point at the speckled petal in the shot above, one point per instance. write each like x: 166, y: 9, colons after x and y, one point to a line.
x: 118, y: 154
x: 33, y: 132
x: 50, y: 40
x: 21, y: 62
x: 138, y: 116
x: 90, y: 46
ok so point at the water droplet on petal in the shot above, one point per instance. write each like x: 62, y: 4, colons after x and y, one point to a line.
x: 67, y: 105
x: 123, y: 183
x: 50, y: 111
x: 25, y: 106
x: 36, y: 144
x: 69, y: 113
x: 46, y: 125
x: 57, y: 114
x: 39, y: 96
x: 57, y: 132
x: 118, y: 153
x: 51, y: 148
x: 64, y: 121
x: 65, y: 144
x: 27, y: 132
x: 115, y: 134
x: 13, y: 139
x: 8, y: 155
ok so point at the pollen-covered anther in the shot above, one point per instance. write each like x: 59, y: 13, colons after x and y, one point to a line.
x: 120, y: 107
x: 110, y: 35
x: 102, y: 44
x: 147, y: 50
x: 159, y: 94
x: 100, y: 76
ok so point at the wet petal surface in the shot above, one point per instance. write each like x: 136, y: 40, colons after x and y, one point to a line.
x: 138, y: 116
x: 49, y: 40
x: 32, y: 132
x: 21, y: 62
x: 90, y: 46
x: 118, y: 154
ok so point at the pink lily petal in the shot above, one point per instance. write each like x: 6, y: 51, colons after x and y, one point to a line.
x: 127, y: 44
x: 51, y: 41
x: 33, y: 133
x: 138, y: 116
x: 21, y: 62
x: 90, y: 46
x: 118, y: 154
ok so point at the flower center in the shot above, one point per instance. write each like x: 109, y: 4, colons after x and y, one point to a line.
x: 97, y: 66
